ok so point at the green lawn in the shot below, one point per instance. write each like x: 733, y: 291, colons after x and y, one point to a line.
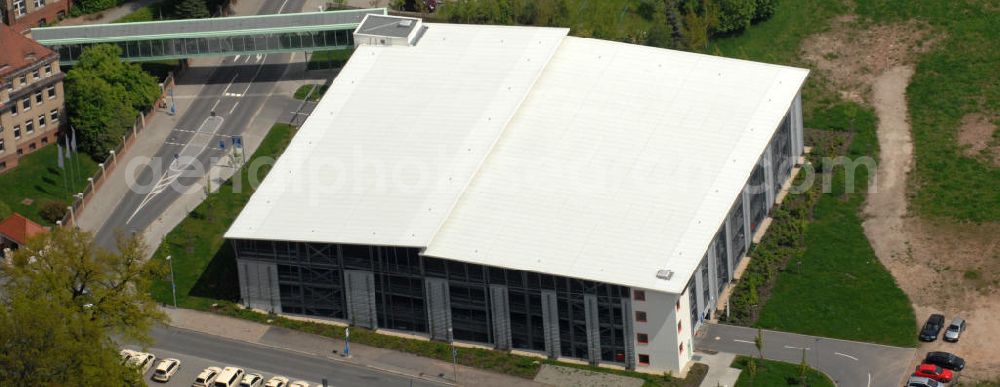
x: 204, y: 266
x: 304, y: 91
x: 38, y: 178
x: 771, y: 373
x: 333, y: 59
x: 958, y: 77
x: 837, y: 287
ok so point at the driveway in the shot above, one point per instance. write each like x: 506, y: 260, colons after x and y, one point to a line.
x: 848, y: 363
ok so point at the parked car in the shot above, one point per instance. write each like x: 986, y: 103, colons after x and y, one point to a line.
x: 945, y: 360
x: 141, y: 361
x: 277, y: 381
x: 252, y: 380
x: 167, y: 368
x: 299, y: 383
x: 229, y: 377
x: 954, y: 330
x: 920, y: 381
x: 935, y: 372
x: 207, y: 377
x: 932, y: 328
x: 126, y: 354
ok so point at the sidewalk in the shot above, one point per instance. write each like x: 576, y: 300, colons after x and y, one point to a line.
x: 720, y: 374
x: 108, y: 15
x: 375, y: 358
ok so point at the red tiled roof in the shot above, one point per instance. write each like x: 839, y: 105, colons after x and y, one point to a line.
x: 19, y: 229
x: 18, y: 51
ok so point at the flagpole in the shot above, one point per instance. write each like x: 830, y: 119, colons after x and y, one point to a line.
x: 73, y: 141
x: 62, y: 166
x: 69, y: 155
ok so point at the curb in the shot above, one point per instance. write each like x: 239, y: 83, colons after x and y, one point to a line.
x: 332, y: 358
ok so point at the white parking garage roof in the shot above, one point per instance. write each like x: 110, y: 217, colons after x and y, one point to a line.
x: 579, y: 157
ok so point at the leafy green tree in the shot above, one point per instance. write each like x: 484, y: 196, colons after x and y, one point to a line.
x: 81, y: 7
x: 64, y: 301
x: 191, y: 9
x: 105, y: 62
x: 758, y: 342
x: 99, y: 111
x: 735, y: 15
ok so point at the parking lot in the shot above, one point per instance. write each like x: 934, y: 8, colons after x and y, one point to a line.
x: 191, y: 366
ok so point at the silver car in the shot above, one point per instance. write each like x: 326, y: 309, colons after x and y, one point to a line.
x: 954, y: 330
x: 920, y: 381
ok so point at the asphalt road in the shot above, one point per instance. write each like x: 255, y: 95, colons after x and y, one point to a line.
x: 848, y: 363
x: 197, y: 351
x: 235, y: 92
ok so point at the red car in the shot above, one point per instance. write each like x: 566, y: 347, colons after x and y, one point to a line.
x: 928, y: 370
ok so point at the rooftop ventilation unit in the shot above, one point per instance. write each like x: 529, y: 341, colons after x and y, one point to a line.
x: 664, y: 274
x: 405, y: 23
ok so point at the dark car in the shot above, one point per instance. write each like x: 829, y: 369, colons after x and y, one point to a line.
x: 945, y: 360
x: 932, y: 328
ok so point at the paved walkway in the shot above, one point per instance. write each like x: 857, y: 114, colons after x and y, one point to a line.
x: 108, y: 15
x: 375, y: 358
x: 720, y: 374
x: 848, y: 363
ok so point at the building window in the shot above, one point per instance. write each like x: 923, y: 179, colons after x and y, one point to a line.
x: 17, y: 131
x: 41, y: 121
x: 39, y: 3
x: 639, y: 295
x: 681, y: 348
x: 643, y: 359
x: 24, y: 80
x: 640, y: 316
x: 677, y: 306
x: 41, y: 22
x: 20, y: 152
x: 29, y: 126
x: 26, y: 103
x: 679, y: 326
x: 61, y: 15
x: 20, y: 8
x: 54, y: 115
x: 642, y: 338
x: 51, y: 91
x: 45, y: 141
x: 13, y: 109
x: 38, y: 97
x: 31, y: 147
x: 1, y: 146
x: 3, y: 165
x: 36, y: 74
x: 48, y: 70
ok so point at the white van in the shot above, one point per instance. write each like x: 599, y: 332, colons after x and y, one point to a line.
x: 230, y: 377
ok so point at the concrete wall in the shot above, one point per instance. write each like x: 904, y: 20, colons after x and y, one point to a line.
x: 664, y: 311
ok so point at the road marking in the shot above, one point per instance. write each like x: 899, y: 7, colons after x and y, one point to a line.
x: 173, y: 143
x: 791, y: 347
x: 216, y: 104
x: 846, y: 355
x: 237, y: 58
x: 743, y: 341
x: 869, y: 379
x: 234, y: 107
x: 226, y: 91
x: 248, y: 59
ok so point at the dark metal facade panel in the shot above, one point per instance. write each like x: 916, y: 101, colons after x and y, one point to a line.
x: 361, y: 298
x: 593, y: 328
x: 259, y: 285
x: 500, y: 304
x: 550, y: 318
x: 438, y: 308
x: 629, y: 333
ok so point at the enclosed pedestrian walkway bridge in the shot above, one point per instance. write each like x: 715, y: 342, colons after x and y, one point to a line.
x: 177, y: 39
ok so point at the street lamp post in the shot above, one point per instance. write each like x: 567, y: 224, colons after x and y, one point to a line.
x: 454, y: 354
x: 347, y: 342
x: 173, y: 285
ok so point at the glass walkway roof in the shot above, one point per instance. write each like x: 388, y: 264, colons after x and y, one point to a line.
x: 176, y: 39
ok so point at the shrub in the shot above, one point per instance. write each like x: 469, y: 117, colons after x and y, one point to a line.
x: 53, y: 210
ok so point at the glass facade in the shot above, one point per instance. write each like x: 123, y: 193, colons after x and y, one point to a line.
x: 311, y: 282
x: 226, y: 45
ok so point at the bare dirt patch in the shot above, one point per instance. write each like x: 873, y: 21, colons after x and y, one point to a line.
x: 976, y: 135
x: 852, y: 55
x: 946, y: 268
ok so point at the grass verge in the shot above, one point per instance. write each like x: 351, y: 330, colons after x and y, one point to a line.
x: 303, y: 91
x: 776, y: 373
x: 38, y: 178
x: 837, y: 287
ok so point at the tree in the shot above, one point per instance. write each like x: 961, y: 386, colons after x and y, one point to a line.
x: 64, y: 301
x: 803, y: 368
x: 191, y: 9
x: 53, y: 210
x: 99, y: 111
x: 105, y: 62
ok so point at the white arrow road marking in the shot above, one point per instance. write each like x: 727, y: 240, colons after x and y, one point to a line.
x: 743, y: 341
x: 846, y: 355
x: 791, y: 347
